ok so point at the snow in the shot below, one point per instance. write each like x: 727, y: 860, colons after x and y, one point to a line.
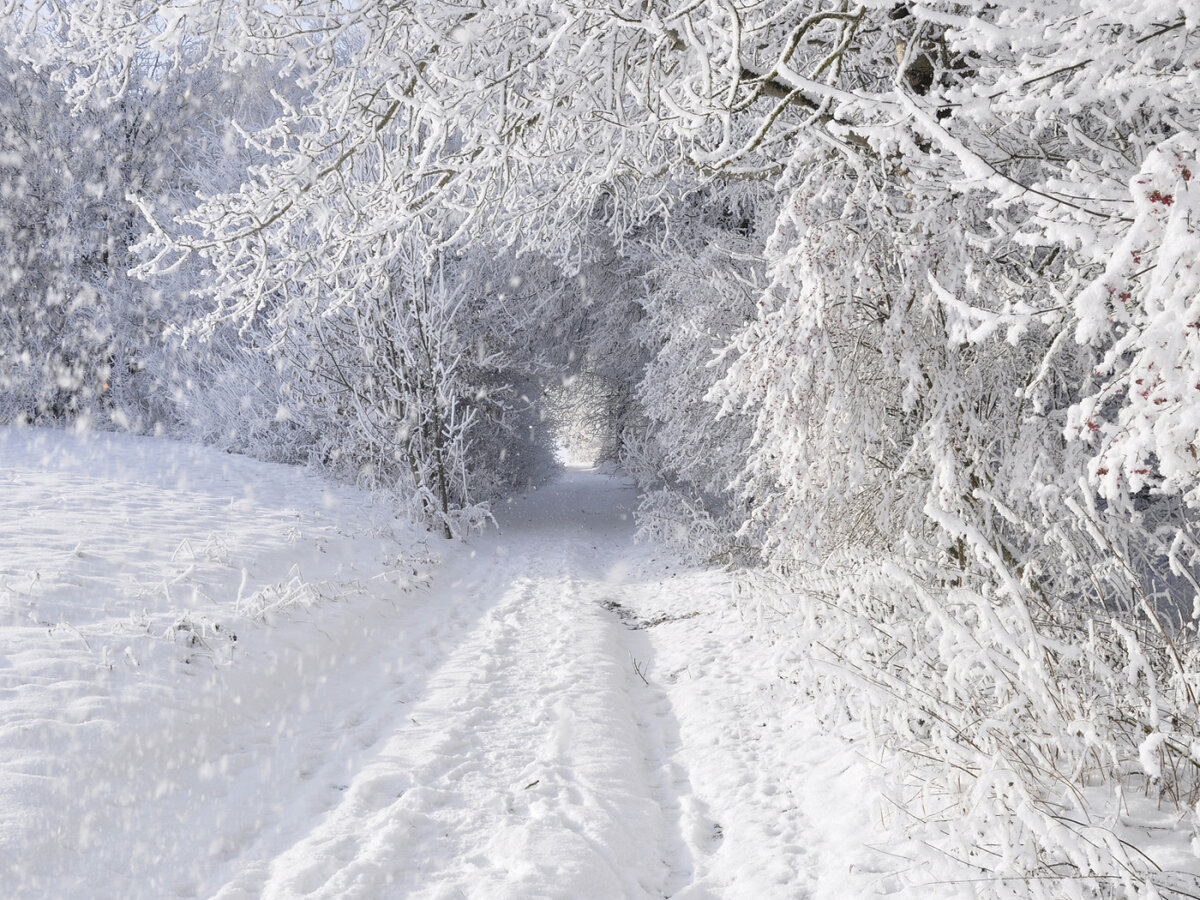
x: 557, y: 713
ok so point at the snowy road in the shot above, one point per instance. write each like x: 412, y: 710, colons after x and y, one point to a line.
x: 557, y: 714
x: 517, y: 766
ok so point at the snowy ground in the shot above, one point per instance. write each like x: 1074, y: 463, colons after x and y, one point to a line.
x: 224, y: 678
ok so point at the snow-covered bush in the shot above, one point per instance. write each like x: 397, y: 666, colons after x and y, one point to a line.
x: 400, y: 390
x: 701, y: 292
x: 1145, y: 313
x: 77, y: 332
x: 1025, y: 744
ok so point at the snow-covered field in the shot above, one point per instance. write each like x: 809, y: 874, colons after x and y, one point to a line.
x: 225, y: 678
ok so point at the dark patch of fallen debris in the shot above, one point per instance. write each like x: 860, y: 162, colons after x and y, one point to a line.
x: 629, y: 620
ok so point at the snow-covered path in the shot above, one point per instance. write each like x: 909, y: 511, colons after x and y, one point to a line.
x: 518, y: 768
x: 557, y: 713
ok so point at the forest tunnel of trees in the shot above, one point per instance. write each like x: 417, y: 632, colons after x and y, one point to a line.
x: 894, y: 305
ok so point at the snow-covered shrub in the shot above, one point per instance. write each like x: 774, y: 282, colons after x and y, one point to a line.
x: 84, y: 340
x: 1145, y: 313
x: 71, y: 322
x: 701, y: 291
x: 1019, y: 738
